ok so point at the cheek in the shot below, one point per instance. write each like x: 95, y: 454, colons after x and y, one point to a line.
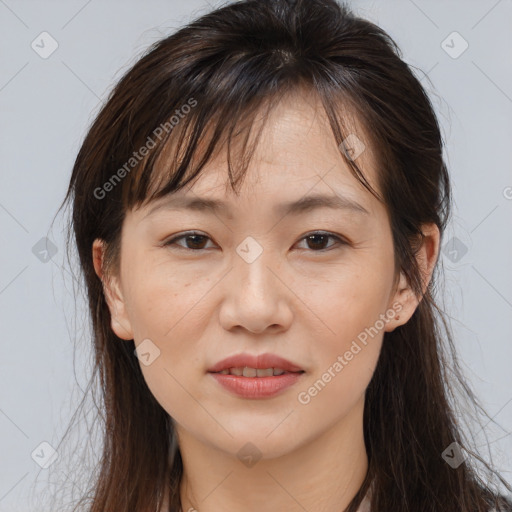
x: 351, y: 309
x: 335, y: 392
x: 347, y: 353
x: 351, y: 301
x: 163, y: 299
x: 167, y: 307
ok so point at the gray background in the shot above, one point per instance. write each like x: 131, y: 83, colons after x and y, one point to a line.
x: 46, y: 106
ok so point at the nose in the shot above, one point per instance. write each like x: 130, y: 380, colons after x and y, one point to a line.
x: 255, y: 297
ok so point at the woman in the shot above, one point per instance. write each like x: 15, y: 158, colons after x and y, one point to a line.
x: 272, y: 343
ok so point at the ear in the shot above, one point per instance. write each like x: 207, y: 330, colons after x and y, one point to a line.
x: 404, y: 301
x: 113, y: 294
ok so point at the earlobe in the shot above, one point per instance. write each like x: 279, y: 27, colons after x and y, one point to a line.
x: 121, y: 331
x: 120, y: 322
x: 404, y: 303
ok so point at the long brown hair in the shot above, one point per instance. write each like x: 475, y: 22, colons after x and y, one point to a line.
x: 193, y: 93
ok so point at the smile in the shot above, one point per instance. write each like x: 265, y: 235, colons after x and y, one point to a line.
x: 246, y: 371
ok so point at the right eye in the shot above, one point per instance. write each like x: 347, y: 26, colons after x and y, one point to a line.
x: 194, y: 241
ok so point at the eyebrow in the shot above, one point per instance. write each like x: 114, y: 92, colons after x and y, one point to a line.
x: 300, y: 206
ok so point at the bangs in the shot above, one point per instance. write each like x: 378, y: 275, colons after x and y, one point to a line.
x: 199, y: 138
x: 214, y: 125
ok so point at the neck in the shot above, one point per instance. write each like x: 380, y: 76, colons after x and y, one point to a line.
x: 322, y: 474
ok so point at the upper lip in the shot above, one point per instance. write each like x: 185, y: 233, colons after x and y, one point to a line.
x: 261, y: 361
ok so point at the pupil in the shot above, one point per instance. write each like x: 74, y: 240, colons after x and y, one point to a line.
x: 311, y: 237
x: 196, y: 237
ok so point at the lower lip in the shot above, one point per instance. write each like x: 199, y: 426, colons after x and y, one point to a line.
x: 257, y: 387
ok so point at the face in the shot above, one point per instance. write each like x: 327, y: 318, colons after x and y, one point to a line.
x: 312, y: 285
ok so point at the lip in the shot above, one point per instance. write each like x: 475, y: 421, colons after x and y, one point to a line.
x: 261, y: 362
x: 256, y: 387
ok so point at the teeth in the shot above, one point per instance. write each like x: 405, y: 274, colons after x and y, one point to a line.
x: 250, y: 372
x: 268, y: 372
x: 253, y: 372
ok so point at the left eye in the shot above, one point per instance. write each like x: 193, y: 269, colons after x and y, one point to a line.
x: 315, y: 241
x: 318, y: 238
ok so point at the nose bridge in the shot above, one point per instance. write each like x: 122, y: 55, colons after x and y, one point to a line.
x: 255, y: 298
x: 251, y: 268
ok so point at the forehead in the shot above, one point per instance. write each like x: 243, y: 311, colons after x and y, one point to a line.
x: 298, y: 136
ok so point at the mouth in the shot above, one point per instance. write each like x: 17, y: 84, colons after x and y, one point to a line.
x: 247, y: 371
x: 248, y: 365
x: 256, y: 377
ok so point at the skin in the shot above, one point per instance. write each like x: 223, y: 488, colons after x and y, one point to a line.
x: 295, y: 300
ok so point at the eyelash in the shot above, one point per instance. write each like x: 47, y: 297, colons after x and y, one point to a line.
x: 172, y: 241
